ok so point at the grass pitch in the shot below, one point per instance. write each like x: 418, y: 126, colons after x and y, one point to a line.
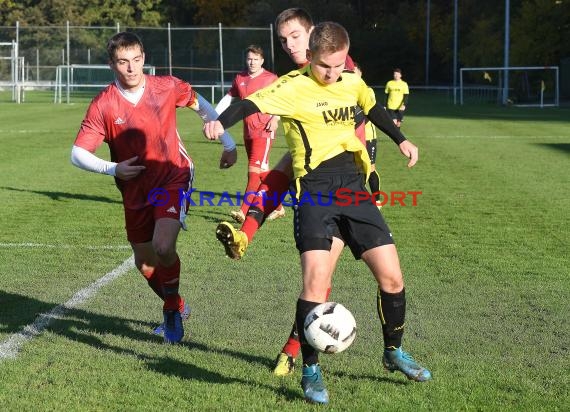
x: 484, y: 252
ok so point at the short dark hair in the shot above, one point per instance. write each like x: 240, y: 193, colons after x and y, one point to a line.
x: 397, y: 70
x: 328, y: 37
x: 254, y: 48
x: 294, y: 13
x: 123, y: 40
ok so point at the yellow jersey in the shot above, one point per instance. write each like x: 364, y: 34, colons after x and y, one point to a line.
x: 318, y: 120
x: 396, y: 89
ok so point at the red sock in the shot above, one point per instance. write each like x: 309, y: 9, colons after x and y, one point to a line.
x: 249, y: 227
x: 170, y: 280
x: 153, y: 280
x: 276, y: 185
x: 253, y: 183
x: 292, y: 347
x: 263, y: 175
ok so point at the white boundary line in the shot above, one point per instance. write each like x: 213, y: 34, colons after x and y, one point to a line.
x: 10, y: 347
x: 48, y: 246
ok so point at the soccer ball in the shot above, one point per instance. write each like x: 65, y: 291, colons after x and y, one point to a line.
x: 330, y: 328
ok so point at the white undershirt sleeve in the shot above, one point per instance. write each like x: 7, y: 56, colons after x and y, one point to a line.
x: 224, y: 103
x: 88, y: 161
x: 207, y: 113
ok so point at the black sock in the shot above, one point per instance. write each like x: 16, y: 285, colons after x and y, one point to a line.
x: 310, y: 354
x: 294, y: 332
x: 392, y: 312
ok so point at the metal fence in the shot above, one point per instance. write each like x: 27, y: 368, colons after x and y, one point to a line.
x: 204, y: 56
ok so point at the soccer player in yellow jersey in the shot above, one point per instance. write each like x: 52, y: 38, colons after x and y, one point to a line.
x: 397, y: 93
x: 293, y: 27
x: 316, y: 105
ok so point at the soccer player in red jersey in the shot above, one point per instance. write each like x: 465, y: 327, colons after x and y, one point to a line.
x: 258, y: 129
x: 136, y: 116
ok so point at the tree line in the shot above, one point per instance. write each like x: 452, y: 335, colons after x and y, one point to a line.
x: 384, y: 34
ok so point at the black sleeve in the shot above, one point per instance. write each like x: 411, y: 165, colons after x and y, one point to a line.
x: 406, y: 99
x: 236, y: 112
x: 381, y: 120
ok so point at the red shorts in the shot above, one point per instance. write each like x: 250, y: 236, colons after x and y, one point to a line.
x: 257, y: 148
x: 167, y: 203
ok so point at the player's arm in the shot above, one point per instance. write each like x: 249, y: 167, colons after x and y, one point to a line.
x: 224, y: 103
x: 233, y: 114
x: 86, y: 160
x: 406, y: 93
x: 91, y: 135
x: 272, y: 124
x: 380, y: 118
x: 208, y: 114
x: 404, y: 101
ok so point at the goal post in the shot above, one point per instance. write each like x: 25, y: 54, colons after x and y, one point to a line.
x: 528, y: 86
x: 85, y: 76
x: 16, y: 72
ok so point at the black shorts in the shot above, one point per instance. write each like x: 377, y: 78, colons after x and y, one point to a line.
x: 323, y: 211
x: 396, y: 114
x: 371, y: 149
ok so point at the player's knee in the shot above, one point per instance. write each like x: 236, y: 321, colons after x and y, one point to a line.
x: 164, y: 250
x: 391, y: 282
x: 317, y: 281
x: 254, y: 169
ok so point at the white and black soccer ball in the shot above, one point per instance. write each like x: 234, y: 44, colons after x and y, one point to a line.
x: 330, y: 328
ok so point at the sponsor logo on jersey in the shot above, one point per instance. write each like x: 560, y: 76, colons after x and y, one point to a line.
x: 341, y: 115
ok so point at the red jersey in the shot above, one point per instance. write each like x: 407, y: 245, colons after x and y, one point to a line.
x: 244, y: 85
x: 147, y: 130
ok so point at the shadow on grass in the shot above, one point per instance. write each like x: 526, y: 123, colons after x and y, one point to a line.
x: 564, y: 147
x: 208, y: 215
x: 392, y: 378
x: 58, y: 196
x: 19, y: 312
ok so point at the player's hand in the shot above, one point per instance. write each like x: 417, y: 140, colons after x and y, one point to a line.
x: 213, y: 130
x: 228, y: 159
x: 272, y: 124
x: 126, y: 170
x: 409, y: 150
x: 403, y: 107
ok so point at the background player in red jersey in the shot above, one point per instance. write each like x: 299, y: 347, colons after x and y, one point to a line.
x: 136, y: 116
x: 258, y: 129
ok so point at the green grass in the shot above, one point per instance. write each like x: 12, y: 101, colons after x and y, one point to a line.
x: 485, y: 256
